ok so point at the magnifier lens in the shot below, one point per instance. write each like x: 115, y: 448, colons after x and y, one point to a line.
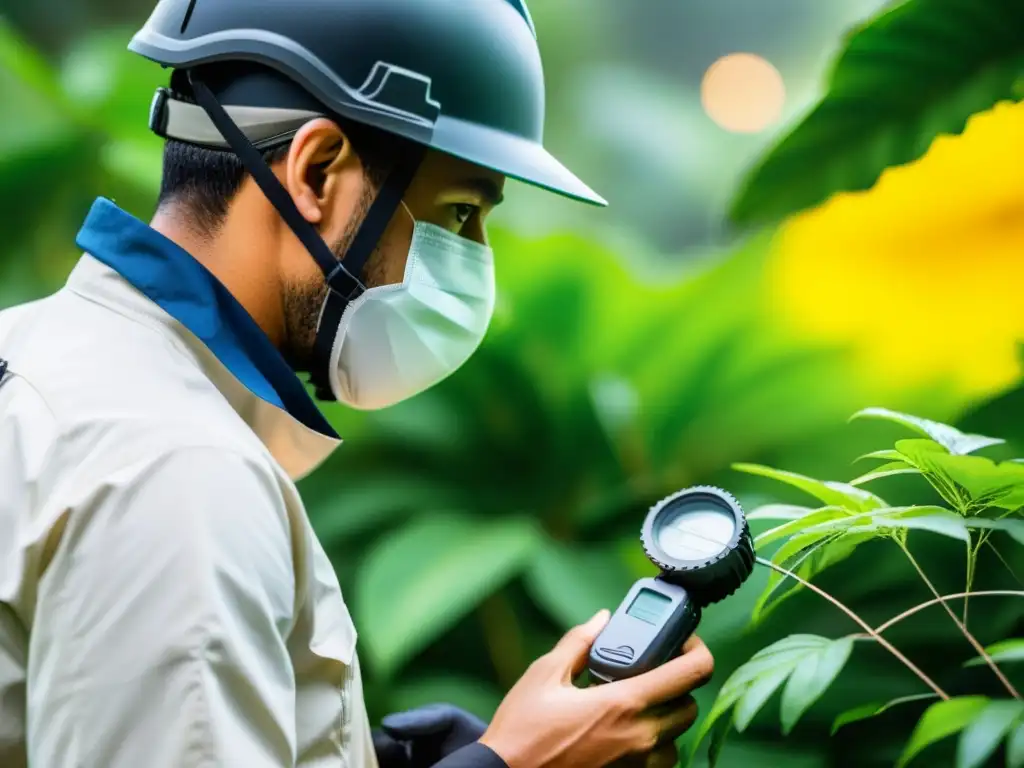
x: 696, y: 529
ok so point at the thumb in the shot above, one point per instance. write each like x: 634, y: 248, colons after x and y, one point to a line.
x: 571, y: 653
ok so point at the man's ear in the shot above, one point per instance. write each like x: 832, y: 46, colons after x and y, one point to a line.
x: 320, y: 165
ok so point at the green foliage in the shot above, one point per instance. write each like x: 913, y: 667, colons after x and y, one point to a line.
x: 866, y: 711
x: 918, y: 70
x: 472, y: 525
x: 807, y: 664
x: 981, y: 723
x: 1002, y: 652
x: 984, y: 497
x: 950, y: 438
x: 448, y: 563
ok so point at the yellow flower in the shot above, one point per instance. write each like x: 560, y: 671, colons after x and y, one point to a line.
x: 922, y: 275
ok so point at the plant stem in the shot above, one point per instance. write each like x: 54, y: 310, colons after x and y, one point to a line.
x: 877, y: 637
x: 1005, y: 564
x: 970, y: 638
x: 911, y: 611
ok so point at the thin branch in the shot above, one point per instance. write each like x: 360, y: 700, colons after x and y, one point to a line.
x: 863, y: 624
x: 1003, y: 561
x: 911, y: 611
x: 970, y: 638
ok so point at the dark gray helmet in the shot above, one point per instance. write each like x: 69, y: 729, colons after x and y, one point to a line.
x: 460, y: 76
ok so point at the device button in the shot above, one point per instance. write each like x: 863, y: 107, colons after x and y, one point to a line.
x: 620, y: 655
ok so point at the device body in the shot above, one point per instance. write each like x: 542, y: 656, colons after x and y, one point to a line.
x: 648, y: 628
x: 700, y: 541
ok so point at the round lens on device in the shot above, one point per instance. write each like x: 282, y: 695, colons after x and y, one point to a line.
x: 700, y: 540
x: 695, y: 528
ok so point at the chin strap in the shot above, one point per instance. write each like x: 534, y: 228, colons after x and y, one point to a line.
x: 344, y: 278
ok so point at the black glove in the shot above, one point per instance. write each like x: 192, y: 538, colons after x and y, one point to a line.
x: 420, y: 738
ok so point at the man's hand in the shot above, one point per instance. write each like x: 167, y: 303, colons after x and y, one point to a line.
x: 547, y: 722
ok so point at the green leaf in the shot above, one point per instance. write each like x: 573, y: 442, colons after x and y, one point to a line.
x: 1015, y: 528
x: 779, y: 512
x: 950, y: 438
x: 24, y: 62
x: 828, y: 492
x: 941, y: 720
x: 886, y: 470
x: 925, y: 518
x: 793, y: 526
x: 865, y: 711
x: 752, y: 684
x: 372, y: 502
x: 806, y: 555
x: 1015, y: 748
x: 574, y: 583
x: 811, y: 679
x: 421, y: 580
x: 987, y: 483
x: 1002, y: 652
x: 718, y: 736
x: 984, y: 733
x: 109, y: 88
x: 919, y: 451
x: 757, y: 693
x: 888, y: 454
x: 916, y: 71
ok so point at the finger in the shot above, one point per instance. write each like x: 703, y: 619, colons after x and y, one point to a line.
x: 665, y: 756
x: 569, y: 656
x: 674, y: 723
x: 674, y: 678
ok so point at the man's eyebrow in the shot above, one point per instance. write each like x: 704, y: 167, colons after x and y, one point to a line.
x: 488, y: 189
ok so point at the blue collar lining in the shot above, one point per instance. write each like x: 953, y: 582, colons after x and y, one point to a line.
x: 171, y: 278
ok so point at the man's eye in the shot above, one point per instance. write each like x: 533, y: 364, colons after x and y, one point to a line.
x: 463, y: 212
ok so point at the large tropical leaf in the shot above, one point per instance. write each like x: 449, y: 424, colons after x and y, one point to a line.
x: 574, y: 583
x: 419, y: 581
x: 917, y: 71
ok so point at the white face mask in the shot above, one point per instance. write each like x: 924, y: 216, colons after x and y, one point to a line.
x: 395, y: 341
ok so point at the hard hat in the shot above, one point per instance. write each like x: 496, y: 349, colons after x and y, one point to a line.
x: 460, y: 76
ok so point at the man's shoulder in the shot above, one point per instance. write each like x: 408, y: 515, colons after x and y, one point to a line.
x: 99, y: 391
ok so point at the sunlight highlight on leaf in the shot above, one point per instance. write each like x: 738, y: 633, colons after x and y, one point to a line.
x: 828, y: 492
x: 950, y: 438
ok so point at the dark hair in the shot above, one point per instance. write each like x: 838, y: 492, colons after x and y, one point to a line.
x: 206, y: 180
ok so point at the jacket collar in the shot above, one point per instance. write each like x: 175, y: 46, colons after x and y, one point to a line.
x: 182, y: 297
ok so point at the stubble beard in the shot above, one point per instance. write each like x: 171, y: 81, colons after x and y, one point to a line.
x: 303, y: 302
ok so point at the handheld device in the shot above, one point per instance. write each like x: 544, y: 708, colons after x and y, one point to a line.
x: 700, y: 540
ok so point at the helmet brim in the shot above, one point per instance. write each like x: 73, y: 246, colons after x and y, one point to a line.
x: 513, y: 156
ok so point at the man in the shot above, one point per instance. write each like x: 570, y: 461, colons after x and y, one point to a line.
x: 329, y: 168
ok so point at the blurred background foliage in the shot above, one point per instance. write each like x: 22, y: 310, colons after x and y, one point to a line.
x: 869, y: 259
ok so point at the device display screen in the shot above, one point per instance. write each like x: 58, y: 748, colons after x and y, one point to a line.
x: 649, y: 606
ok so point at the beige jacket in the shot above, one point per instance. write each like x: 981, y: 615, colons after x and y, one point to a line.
x: 163, y: 599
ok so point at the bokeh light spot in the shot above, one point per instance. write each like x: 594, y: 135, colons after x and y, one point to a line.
x: 743, y: 93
